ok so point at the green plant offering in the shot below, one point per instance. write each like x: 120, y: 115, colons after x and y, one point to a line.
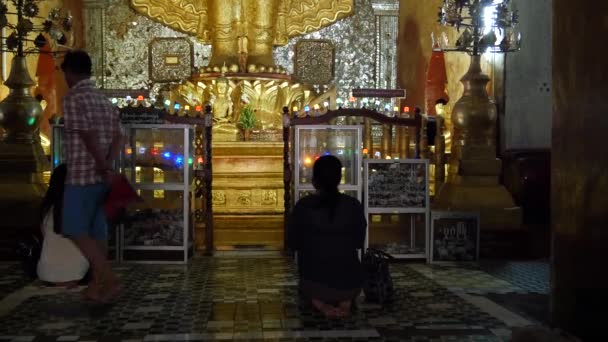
x: 247, y: 119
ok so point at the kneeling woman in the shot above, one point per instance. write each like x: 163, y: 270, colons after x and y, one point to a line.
x: 326, y: 229
x: 61, y: 262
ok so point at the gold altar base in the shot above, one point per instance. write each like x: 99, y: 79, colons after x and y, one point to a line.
x: 233, y: 232
x: 475, y: 187
x: 248, y: 195
x: 21, y: 190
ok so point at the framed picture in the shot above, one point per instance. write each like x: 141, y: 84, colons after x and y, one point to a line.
x: 170, y: 59
x: 454, y: 236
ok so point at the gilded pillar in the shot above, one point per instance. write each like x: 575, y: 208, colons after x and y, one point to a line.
x: 439, y: 156
x: 94, y: 23
x: 368, y: 141
x: 579, y: 169
x: 403, y: 142
x: 387, y: 140
x: 424, y: 142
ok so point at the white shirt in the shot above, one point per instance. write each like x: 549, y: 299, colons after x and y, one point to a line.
x: 60, y: 260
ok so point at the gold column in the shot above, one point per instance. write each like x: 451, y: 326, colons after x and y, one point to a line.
x: 387, y: 140
x: 424, y: 142
x: 579, y: 169
x: 367, y: 135
x: 439, y: 157
x: 403, y: 142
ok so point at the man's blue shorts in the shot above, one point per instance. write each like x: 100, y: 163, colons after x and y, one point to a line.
x: 83, y: 212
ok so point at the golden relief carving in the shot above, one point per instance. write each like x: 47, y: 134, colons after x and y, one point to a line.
x: 218, y: 197
x: 269, y: 197
x: 244, y: 198
x: 244, y: 29
x: 228, y: 94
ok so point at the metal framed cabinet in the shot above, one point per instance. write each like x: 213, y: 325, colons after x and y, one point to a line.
x: 157, y: 159
x: 312, y: 142
x: 395, y: 192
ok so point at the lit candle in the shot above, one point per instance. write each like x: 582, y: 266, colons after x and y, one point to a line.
x: 140, y: 98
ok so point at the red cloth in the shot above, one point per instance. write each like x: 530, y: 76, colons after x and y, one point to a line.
x: 120, y: 196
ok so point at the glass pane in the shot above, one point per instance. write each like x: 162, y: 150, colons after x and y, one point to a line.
x: 397, y: 185
x: 341, y: 143
x: 158, y: 155
x: 397, y: 234
x: 156, y: 221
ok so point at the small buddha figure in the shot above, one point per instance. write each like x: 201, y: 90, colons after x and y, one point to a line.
x: 222, y: 105
x: 223, y: 116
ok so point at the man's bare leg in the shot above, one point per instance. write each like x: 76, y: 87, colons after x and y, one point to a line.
x: 112, y: 285
x: 101, y: 271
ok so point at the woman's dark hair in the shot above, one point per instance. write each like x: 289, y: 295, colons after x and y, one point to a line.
x: 77, y: 61
x: 326, y: 175
x: 54, y: 197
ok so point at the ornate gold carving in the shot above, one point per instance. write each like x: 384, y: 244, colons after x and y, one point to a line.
x: 219, y: 197
x: 228, y: 94
x: 314, y: 61
x: 244, y: 198
x: 269, y: 197
x: 171, y: 59
x: 247, y: 29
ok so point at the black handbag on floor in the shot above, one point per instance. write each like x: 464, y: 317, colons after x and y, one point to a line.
x: 28, y: 250
x: 377, y: 281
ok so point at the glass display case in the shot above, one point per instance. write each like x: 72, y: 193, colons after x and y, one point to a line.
x: 396, y: 202
x: 312, y: 142
x: 157, y: 159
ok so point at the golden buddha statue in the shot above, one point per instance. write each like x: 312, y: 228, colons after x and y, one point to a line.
x: 222, y: 103
x: 240, y: 30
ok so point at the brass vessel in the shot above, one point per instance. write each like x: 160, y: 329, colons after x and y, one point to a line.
x: 473, y: 183
x: 20, y: 112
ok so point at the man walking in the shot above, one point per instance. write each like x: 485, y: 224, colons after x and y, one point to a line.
x: 92, y: 141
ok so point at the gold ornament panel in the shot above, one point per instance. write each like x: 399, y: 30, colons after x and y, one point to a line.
x: 247, y: 201
x: 314, y: 61
x: 171, y: 59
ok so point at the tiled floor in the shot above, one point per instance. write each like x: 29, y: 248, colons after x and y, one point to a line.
x: 255, y: 298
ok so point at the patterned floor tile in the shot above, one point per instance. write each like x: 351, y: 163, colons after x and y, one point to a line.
x: 533, y: 276
x: 256, y: 298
